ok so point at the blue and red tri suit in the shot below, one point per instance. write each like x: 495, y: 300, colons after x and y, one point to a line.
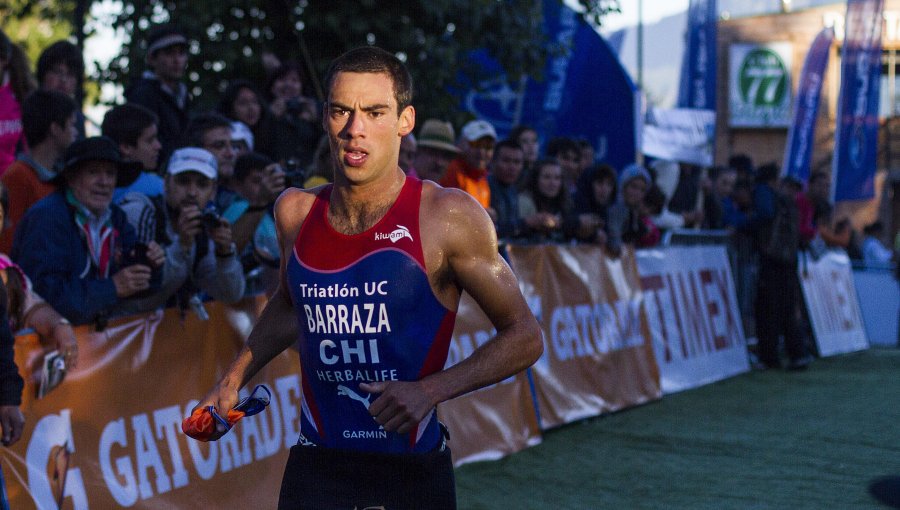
x: 368, y: 313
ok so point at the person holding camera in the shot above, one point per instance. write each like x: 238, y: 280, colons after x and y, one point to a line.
x: 200, y: 254
x: 292, y: 127
x: 78, y: 247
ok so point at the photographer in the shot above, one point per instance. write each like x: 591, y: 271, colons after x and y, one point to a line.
x: 293, y: 126
x: 258, y: 182
x: 199, y: 250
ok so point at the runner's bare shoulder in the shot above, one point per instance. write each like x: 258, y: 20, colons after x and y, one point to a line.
x: 291, y: 208
x: 457, y: 216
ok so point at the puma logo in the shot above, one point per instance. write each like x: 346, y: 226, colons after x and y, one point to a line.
x: 347, y: 392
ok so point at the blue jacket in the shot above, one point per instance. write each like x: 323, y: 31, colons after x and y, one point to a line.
x: 53, y: 253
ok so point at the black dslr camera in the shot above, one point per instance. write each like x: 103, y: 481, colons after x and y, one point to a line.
x: 294, y: 174
x: 210, y: 217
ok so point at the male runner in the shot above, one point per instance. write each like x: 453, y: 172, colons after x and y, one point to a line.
x: 372, y: 270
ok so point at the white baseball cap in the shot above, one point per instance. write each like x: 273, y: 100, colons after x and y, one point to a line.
x: 477, y: 129
x: 240, y: 131
x: 193, y: 159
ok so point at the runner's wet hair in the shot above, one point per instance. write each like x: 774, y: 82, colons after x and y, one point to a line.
x: 371, y: 59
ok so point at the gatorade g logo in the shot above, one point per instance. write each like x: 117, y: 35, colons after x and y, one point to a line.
x: 763, y: 78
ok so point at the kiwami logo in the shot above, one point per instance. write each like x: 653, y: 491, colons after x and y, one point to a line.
x: 399, y: 233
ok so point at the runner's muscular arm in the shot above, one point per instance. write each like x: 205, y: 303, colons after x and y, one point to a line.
x: 474, y: 265
x: 277, y: 328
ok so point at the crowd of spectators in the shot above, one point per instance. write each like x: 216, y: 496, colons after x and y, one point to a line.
x: 172, y: 205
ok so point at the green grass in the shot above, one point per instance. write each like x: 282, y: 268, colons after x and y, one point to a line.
x: 775, y: 439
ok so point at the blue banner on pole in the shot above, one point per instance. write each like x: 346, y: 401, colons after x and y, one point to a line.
x: 798, y: 152
x: 697, y: 85
x: 856, y: 141
x: 585, y: 92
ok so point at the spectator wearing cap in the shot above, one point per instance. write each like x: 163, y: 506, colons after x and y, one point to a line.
x: 199, y: 251
x: 241, y: 139
x: 626, y: 224
x: 48, y: 119
x: 77, y: 247
x: 435, y: 150
x: 161, y: 88
x: 468, y: 172
x: 134, y: 129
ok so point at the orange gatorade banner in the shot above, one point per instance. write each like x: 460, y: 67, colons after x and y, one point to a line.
x: 598, y: 356
x: 494, y: 421
x: 110, y: 435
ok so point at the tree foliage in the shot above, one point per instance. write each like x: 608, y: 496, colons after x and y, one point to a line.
x: 229, y: 38
x: 34, y: 25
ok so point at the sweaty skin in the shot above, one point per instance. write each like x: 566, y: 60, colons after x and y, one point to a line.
x: 458, y: 240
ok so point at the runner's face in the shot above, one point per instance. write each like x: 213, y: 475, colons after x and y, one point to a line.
x: 363, y: 126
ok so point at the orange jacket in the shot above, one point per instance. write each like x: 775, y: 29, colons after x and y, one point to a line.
x: 24, y: 189
x: 472, y: 180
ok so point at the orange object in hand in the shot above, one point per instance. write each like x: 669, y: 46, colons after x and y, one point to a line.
x: 205, y: 424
